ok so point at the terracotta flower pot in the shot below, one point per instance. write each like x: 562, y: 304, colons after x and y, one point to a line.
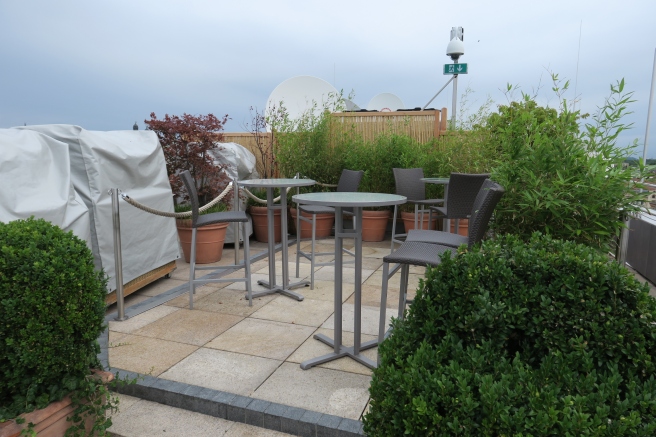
x: 463, y: 229
x: 409, y: 221
x: 51, y: 421
x: 209, y: 241
x: 261, y: 223
x: 324, y: 224
x: 374, y: 225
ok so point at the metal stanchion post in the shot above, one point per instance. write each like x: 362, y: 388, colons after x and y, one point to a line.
x: 118, y: 259
x: 236, y: 208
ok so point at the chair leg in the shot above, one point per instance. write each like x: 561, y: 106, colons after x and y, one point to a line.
x: 403, y: 290
x: 192, y: 269
x: 393, y: 228
x: 314, y: 239
x: 247, y: 267
x: 298, y: 238
x: 383, y: 304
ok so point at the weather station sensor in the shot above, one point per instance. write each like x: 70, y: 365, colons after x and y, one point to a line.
x: 455, y: 49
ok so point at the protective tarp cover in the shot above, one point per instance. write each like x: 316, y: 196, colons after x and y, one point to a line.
x: 133, y: 162
x: 35, y: 177
x: 240, y: 165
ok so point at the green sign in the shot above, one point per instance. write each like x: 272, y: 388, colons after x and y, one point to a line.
x: 455, y: 68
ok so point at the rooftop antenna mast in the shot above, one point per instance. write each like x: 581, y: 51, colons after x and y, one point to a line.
x: 455, y: 49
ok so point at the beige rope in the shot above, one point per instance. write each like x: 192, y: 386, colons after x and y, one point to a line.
x: 257, y: 199
x: 187, y: 214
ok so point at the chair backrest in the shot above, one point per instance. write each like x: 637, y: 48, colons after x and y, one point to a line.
x: 190, y: 185
x: 461, y: 192
x: 409, y: 184
x: 486, y: 200
x: 349, y: 181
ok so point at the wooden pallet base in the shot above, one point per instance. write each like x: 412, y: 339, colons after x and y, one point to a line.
x: 141, y: 281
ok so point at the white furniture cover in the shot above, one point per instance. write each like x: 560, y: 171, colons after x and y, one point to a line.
x: 133, y: 162
x: 35, y: 177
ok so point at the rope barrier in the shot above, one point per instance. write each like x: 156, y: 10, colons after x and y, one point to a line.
x: 216, y: 200
x: 186, y: 214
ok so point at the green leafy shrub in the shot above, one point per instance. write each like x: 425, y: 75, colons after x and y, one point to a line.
x: 544, y: 338
x: 558, y: 180
x: 51, y: 314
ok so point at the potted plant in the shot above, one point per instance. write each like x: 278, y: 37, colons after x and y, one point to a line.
x: 259, y: 215
x: 189, y: 143
x: 52, y: 307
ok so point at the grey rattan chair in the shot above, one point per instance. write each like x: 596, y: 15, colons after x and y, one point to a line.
x: 409, y: 184
x: 459, y: 198
x: 420, y: 253
x: 479, y: 217
x: 198, y: 221
x: 349, y: 181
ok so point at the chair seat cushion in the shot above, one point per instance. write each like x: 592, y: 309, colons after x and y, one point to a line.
x: 426, y: 201
x: 318, y: 209
x: 221, y: 217
x: 418, y: 254
x: 437, y: 237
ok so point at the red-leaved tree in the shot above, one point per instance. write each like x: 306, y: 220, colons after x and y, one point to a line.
x: 187, y: 142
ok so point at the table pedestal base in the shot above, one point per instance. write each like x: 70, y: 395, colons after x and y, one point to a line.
x: 343, y: 352
x: 279, y: 289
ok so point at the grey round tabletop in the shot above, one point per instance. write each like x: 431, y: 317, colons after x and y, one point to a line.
x: 442, y: 181
x: 349, y: 199
x: 276, y: 183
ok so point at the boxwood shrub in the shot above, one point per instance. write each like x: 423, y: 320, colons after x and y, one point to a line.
x: 543, y: 338
x: 51, y: 314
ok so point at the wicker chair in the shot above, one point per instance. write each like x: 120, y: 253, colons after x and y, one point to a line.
x: 198, y: 221
x: 409, y: 184
x: 479, y: 217
x: 420, y: 253
x: 349, y: 181
x: 459, y: 198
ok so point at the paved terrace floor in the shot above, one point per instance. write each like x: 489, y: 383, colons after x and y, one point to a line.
x: 252, y: 353
x: 233, y: 370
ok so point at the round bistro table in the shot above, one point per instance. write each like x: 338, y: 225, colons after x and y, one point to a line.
x: 285, y: 288
x: 357, y: 201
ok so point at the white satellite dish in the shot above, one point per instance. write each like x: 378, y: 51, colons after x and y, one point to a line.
x: 299, y: 94
x: 385, y: 102
x: 350, y: 106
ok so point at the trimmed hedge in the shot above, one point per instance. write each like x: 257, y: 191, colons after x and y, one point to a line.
x: 544, y: 338
x: 51, y: 313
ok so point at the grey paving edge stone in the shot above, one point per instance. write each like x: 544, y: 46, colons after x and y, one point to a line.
x: 255, y: 412
x: 289, y: 421
x: 272, y: 416
x: 307, y: 424
x: 222, y: 399
x: 350, y: 428
x: 328, y: 425
x: 237, y: 408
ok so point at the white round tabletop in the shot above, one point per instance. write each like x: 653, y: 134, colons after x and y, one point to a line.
x: 349, y: 199
x: 276, y: 183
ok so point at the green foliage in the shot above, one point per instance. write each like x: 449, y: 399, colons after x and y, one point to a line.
x: 319, y: 147
x: 51, y: 311
x: 545, y: 338
x: 560, y: 181
x: 307, y: 145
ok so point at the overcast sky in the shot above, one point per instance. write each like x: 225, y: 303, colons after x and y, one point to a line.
x: 105, y: 64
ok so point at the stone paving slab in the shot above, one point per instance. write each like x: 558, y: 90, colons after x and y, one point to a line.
x: 370, y: 317
x: 147, y: 355
x: 287, y: 310
x: 262, y: 338
x: 137, y: 322
x: 321, y: 390
x: 313, y: 348
x: 194, y: 327
x: 221, y: 370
